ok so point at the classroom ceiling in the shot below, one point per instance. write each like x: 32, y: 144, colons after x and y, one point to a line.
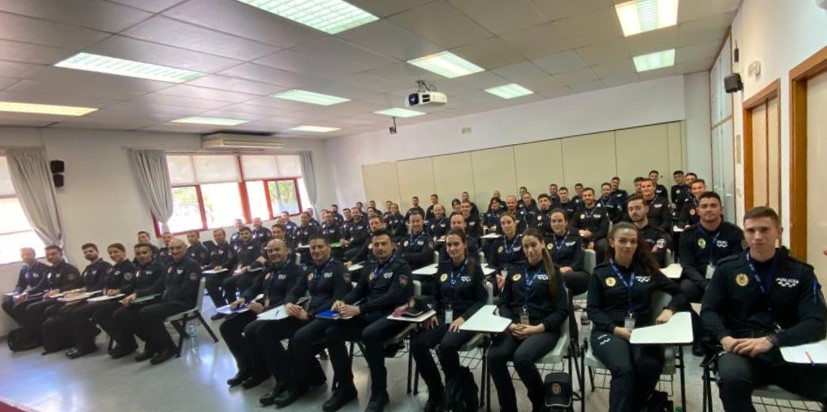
x: 553, y: 47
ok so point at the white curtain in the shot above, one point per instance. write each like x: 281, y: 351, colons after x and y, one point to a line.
x: 32, y: 181
x: 152, y: 172
x: 309, y: 178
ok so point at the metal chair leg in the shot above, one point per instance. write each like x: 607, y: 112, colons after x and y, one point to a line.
x: 683, y: 380
x: 207, y: 326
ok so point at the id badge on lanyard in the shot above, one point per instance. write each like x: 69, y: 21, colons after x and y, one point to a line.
x: 524, y: 316
x: 629, y: 321
x: 710, y: 270
x: 449, y: 314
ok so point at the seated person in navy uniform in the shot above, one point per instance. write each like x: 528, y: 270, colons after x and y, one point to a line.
x: 417, y: 248
x: 28, y: 277
x: 473, y: 225
x: 659, y: 241
x: 701, y: 248
x: 505, y: 251
x: 659, y: 213
x: 236, y: 237
x: 619, y: 196
x: 221, y: 257
x: 578, y: 194
x: 543, y: 220
x: 475, y: 211
x: 620, y: 300
x: 290, y: 228
x: 357, y: 235
x: 660, y: 190
x: 459, y: 293
x: 366, y: 252
x: 334, y: 208
x: 429, y: 213
x: 458, y: 222
x: 121, y: 324
x: 566, y: 249
x: 678, y: 191
x: 592, y: 224
x: 256, y: 344
x: 528, y: 209
x: 414, y: 208
x: 196, y: 250
x: 249, y: 260
x: 688, y: 214
x: 757, y: 303
x: 143, y: 237
x: 330, y: 229
x: 491, y: 219
x: 439, y: 224
x: 511, y: 206
x: 567, y: 205
x: 553, y: 196
x: 608, y: 202
x: 180, y: 294
x: 260, y: 233
x: 163, y: 253
x: 396, y: 223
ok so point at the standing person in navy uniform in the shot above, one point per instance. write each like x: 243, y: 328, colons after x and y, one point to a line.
x: 535, y: 299
x: 620, y: 300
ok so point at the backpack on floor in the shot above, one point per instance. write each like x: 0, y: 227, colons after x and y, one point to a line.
x: 56, y: 334
x: 658, y: 402
x: 20, y: 340
x: 461, y: 392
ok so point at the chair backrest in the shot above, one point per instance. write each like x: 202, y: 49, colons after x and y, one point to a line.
x: 589, y: 261
x: 490, y: 289
x: 298, y: 258
x: 436, y: 257
x: 482, y: 258
x: 670, y: 257
x: 417, y: 288
x: 659, y: 301
x: 201, y: 286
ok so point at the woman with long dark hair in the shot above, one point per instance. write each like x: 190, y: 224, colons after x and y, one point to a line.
x: 566, y: 248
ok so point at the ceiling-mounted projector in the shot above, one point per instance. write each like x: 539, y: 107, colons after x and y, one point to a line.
x: 426, y: 97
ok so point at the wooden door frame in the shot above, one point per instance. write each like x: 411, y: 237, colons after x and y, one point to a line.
x: 763, y: 96
x: 799, y: 75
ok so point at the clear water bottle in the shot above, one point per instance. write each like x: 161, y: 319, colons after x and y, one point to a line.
x: 191, y: 332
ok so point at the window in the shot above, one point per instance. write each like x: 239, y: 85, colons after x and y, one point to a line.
x: 213, y: 190
x: 15, y: 231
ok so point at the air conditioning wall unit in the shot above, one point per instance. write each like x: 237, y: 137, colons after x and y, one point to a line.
x: 239, y: 141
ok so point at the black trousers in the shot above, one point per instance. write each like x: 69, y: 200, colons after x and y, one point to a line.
x: 738, y: 375
x: 449, y: 344
x: 151, y: 321
x: 694, y: 293
x: 35, y: 314
x: 256, y: 344
x: 523, y: 354
x: 635, y: 370
x: 577, y: 282
x: 8, y: 307
x: 303, y: 348
x: 213, y: 284
x: 82, y: 325
x: 236, y: 284
x: 125, y: 326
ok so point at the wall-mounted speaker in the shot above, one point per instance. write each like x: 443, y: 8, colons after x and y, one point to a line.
x: 57, y: 167
x: 732, y: 83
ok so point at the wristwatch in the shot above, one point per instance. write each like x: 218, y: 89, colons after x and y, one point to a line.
x: 773, y: 339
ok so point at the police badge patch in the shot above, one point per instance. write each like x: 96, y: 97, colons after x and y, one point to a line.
x: 702, y: 243
x: 516, y: 277
x: 611, y: 282
x: 741, y: 279
x: 444, y: 277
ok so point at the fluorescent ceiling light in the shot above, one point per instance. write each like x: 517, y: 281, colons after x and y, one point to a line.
x: 316, y: 129
x: 639, y: 16
x: 397, y: 112
x: 218, y: 121
x: 655, y: 60
x: 446, y: 64
x: 122, y: 67
x: 509, y: 91
x: 310, y: 97
x: 329, y: 16
x: 45, y: 109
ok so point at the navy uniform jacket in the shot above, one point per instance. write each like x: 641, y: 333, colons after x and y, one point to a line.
x: 247, y: 254
x: 506, y: 252
x: 471, y: 249
x: 698, y: 249
x: 460, y: 287
x: 164, y: 257
x: 149, y: 278
x: 619, y: 199
x: 542, y: 221
x: 385, y: 287
x: 734, y: 304
x: 679, y: 195
x: 417, y: 250
x: 567, y: 250
x: 653, y: 235
x: 661, y: 192
x: 30, y: 276
x: 181, y: 282
x: 596, y: 220
x: 527, y: 215
x: 359, y: 233
x: 262, y: 235
x: 325, y: 283
x: 222, y: 255
x: 542, y: 309
x: 396, y: 225
x: 659, y: 214
x: 94, y: 274
x: 305, y: 231
x: 338, y: 218
x: 608, y: 301
x: 610, y: 205
x: 411, y: 210
x: 688, y: 213
x: 570, y: 209
x: 429, y: 214
x: 473, y: 228
x: 61, y: 276
x: 555, y: 201
x: 276, y: 282
x: 198, y: 253
x: 439, y: 227
x: 290, y: 230
x: 235, y: 239
x: 491, y: 220
x: 121, y: 276
x: 331, y: 232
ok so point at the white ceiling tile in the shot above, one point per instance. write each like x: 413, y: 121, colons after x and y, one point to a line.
x: 520, y: 72
x: 405, y: 73
x: 206, y: 93
x: 576, y: 76
x: 686, y: 38
x: 280, y: 104
x: 19, y: 70
x: 653, y: 41
x: 372, y: 82
x: 32, y: 53
x: 501, y: 16
x: 589, y: 28
x: 543, y: 85
x: 390, y: 40
x: 165, y: 99
x: 483, y: 80
x: 441, y: 23
x: 54, y: 98
x: 29, y: 30
x: 6, y: 82
x: 239, y: 85
x: 71, y: 89
x: 58, y: 76
x: 537, y: 41
x: 93, y: 14
x: 490, y: 53
x: 120, y: 124
x: 696, y: 52
x: 257, y: 111
x: 182, y: 128
x: 28, y: 119
x: 187, y: 36
x: 604, y: 52
x: 621, y: 79
x: 588, y: 86
x: 717, y: 23
x: 138, y: 50
x: 557, y: 92
x: 339, y: 53
x: 259, y: 73
x: 615, y: 68
x: 299, y: 63
x: 385, y: 8
x: 696, y: 9
x: 233, y: 17
x: 149, y: 5
x: 559, y: 9
x: 658, y: 73
x: 560, y: 62
x: 694, y: 66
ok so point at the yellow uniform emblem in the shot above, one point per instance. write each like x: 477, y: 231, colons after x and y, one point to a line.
x: 405, y: 244
x: 702, y: 243
x: 444, y: 277
x: 549, y: 246
x: 500, y: 249
x: 309, y: 277
x: 610, y: 282
x: 742, y: 279
x: 692, y: 212
x: 516, y: 277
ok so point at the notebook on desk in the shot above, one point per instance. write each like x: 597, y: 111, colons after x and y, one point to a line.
x: 815, y: 353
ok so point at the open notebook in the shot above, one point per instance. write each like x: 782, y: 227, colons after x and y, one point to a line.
x: 799, y: 354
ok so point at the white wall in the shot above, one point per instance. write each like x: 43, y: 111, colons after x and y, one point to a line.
x: 779, y: 34
x: 637, y: 104
x: 698, y: 136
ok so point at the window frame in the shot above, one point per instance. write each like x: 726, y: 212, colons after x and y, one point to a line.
x: 39, y: 253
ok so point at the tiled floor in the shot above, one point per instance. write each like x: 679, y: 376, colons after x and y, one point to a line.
x: 196, y: 382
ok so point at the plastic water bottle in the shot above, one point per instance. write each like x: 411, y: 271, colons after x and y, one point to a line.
x: 191, y: 332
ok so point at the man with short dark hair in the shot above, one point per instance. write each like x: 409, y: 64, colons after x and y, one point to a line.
x: 757, y: 303
x: 689, y: 212
x: 678, y: 192
x: 659, y: 213
x: 660, y: 190
x: 143, y: 237
x: 163, y: 253
x: 429, y: 214
x: 222, y: 259
x: 196, y: 250
x: 552, y: 195
x: 619, y: 197
x: 657, y: 240
x: 414, y: 208
x: 396, y: 223
x: 30, y: 274
x: 568, y: 206
x: 592, y: 224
